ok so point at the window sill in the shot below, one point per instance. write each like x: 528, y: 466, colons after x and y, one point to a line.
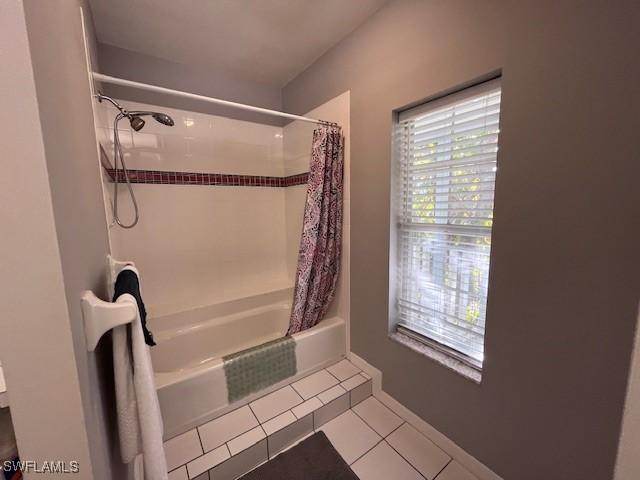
x: 437, y: 356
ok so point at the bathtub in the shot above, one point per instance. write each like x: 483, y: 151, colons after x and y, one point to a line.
x: 187, y: 359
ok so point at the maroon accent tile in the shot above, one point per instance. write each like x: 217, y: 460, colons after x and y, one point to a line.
x: 195, y: 178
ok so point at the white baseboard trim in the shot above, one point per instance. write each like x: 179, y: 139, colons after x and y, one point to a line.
x: 469, y: 462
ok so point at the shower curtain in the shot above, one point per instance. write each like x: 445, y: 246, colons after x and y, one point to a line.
x: 321, y: 242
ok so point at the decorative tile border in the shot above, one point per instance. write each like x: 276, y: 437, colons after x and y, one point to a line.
x: 222, y: 179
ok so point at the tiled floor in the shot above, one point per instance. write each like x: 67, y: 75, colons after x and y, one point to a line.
x: 238, y: 441
x: 379, y: 445
x: 337, y: 400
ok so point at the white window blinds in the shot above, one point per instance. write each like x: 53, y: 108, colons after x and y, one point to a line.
x: 447, y: 152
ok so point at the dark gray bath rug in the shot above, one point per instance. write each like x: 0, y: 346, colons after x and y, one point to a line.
x: 312, y: 459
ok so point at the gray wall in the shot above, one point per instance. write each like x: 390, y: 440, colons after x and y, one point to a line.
x: 564, y: 284
x: 139, y: 67
x: 35, y: 331
x: 68, y: 135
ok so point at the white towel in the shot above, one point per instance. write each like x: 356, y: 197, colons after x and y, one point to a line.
x: 139, y: 420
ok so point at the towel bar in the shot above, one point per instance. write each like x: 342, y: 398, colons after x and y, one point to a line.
x: 100, y: 316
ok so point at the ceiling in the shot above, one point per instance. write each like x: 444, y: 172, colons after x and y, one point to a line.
x: 269, y: 41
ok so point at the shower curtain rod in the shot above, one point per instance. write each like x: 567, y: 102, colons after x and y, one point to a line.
x: 154, y: 88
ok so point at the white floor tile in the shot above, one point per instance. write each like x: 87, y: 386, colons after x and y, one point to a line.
x: 179, y: 474
x: 275, y: 403
x: 307, y: 407
x: 343, y: 370
x: 296, y: 442
x: 331, y: 410
x: 455, y: 471
x: 179, y: 450
x: 383, y: 463
x: 290, y: 434
x: 350, y: 436
x: 242, y: 463
x: 226, y: 427
x: 377, y: 416
x: 207, y: 461
x: 279, y: 422
x: 421, y: 452
x: 314, y: 384
x: 353, y: 382
x: 360, y: 393
x: 331, y: 394
x: 245, y: 440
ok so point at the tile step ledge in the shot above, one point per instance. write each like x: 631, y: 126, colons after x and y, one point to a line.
x: 190, y: 456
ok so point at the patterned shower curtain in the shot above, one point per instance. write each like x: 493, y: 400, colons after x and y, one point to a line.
x: 321, y: 242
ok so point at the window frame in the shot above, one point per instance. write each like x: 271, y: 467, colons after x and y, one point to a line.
x: 396, y: 270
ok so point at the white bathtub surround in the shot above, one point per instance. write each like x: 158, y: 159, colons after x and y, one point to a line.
x: 188, y: 364
x: 240, y: 440
x: 196, y: 140
x: 201, y: 245
x: 220, y: 258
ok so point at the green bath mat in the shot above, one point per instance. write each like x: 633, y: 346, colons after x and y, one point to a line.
x: 259, y: 367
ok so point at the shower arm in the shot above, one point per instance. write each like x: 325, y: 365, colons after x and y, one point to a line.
x: 101, y: 97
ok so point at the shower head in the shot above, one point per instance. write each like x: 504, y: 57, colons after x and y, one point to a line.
x: 163, y: 118
x: 134, y: 117
x: 137, y: 123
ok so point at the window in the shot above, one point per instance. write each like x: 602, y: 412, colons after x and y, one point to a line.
x: 447, y: 153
